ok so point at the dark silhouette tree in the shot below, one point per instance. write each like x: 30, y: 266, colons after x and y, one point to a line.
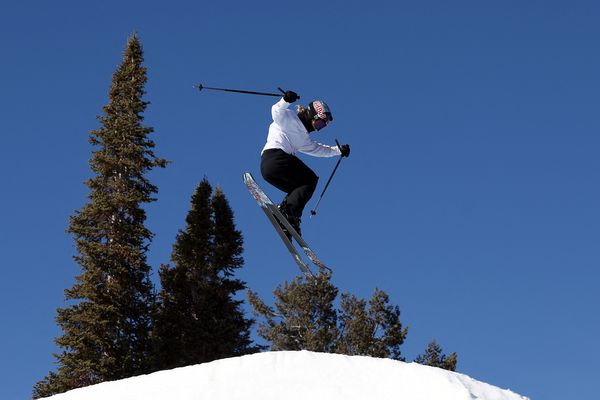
x: 197, y: 317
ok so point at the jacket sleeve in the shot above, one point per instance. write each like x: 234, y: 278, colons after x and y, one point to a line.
x: 318, y: 150
x: 280, y: 112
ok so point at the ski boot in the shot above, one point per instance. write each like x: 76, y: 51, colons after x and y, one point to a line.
x: 293, y: 220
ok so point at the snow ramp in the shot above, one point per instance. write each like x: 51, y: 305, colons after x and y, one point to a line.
x: 291, y: 375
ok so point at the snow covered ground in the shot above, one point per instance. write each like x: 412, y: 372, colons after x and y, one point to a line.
x: 298, y: 375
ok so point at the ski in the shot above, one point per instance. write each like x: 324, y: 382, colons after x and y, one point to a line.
x: 275, y: 216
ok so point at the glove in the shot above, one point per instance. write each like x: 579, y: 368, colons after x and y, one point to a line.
x: 290, y: 96
x: 345, y: 149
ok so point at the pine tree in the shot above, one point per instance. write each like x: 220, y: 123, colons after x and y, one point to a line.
x: 375, y: 331
x: 197, y: 318
x: 305, y: 318
x: 106, y: 331
x: 434, y: 358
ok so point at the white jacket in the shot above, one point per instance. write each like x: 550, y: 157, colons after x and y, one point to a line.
x: 289, y: 134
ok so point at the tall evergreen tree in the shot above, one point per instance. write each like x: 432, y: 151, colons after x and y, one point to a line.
x: 434, y: 357
x: 106, y: 331
x: 197, y: 317
x: 305, y: 318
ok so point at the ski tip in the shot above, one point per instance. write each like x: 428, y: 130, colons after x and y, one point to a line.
x: 248, y: 177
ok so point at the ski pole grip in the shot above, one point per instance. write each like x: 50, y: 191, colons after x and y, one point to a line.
x: 283, y: 91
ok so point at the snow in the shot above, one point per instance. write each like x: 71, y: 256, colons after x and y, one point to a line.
x: 294, y: 375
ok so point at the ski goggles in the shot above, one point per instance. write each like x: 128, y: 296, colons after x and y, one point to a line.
x: 319, y: 123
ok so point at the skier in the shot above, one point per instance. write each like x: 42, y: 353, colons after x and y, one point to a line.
x: 289, y: 134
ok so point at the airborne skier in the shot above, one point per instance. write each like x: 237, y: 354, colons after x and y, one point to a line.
x: 289, y: 134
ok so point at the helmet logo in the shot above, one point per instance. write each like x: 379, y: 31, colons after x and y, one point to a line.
x: 321, y: 110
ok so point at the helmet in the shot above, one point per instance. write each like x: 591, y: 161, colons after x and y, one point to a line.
x: 320, y: 110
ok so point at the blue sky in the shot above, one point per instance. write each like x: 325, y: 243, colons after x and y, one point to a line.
x: 471, y: 194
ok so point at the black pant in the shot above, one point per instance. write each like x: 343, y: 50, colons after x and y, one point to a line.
x: 289, y: 174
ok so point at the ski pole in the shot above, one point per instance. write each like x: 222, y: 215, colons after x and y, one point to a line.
x: 200, y: 87
x: 314, y: 210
